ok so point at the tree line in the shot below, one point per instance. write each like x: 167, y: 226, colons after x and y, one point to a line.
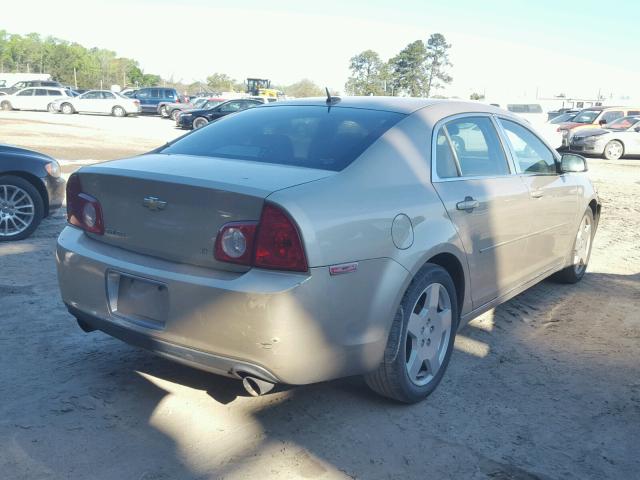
x: 418, y: 70
x: 69, y: 63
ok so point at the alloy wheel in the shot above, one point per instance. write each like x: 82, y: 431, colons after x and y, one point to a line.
x: 582, y: 245
x: 17, y: 210
x: 613, y: 150
x: 428, y: 333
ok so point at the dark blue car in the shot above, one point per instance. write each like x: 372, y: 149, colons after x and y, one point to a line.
x: 31, y: 188
x: 154, y: 99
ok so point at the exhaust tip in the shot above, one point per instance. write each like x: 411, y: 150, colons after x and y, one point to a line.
x: 256, y: 387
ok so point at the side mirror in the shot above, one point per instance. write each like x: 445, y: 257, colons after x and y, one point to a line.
x: 602, y: 122
x: 637, y: 129
x: 570, y: 162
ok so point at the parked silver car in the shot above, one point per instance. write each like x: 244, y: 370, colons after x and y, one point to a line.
x: 307, y: 240
x: 621, y: 137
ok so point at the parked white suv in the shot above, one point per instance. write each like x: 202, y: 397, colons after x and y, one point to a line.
x: 34, y: 98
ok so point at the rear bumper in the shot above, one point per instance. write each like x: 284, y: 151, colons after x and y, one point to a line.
x: 283, y: 327
x: 194, y: 358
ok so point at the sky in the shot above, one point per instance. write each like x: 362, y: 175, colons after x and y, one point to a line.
x: 505, y: 49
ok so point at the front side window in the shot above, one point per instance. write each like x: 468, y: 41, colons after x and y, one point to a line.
x: 532, y: 155
x: 54, y: 93
x: 91, y: 96
x: 41, y: 92
x: 327, y: 138
x: 108, y: 95
x: 474, y: 143
x: 230, y: 107
x: 586, y: 116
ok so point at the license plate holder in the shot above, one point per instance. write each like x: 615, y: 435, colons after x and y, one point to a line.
x: 138, y: 299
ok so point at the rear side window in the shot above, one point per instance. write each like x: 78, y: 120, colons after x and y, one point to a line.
x: 26, y: 93
x: 41, y: 92
x: 474, y: 145
x: 633, y: 112
x: 304, y: 136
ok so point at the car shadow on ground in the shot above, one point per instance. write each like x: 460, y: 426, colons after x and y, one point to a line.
x: 545, y: 396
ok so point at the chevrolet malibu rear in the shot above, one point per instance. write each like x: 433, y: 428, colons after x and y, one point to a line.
x: 303, y: 241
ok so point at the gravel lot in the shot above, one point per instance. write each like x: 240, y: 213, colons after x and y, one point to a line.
x: 546, y: 386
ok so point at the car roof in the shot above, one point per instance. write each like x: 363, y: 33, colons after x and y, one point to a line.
x: 404, y: 105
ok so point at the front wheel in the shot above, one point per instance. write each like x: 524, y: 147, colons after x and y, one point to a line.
x: 421, y: 338
x: 199, y: 122
x: 118, y: 111
x: 613, y: 150
x: 175, y: 114
x: 6, y: 105
x: 581, y: 251
x: 21, y: 208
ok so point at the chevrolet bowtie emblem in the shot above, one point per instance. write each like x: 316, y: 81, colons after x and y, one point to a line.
x: 154, y: 203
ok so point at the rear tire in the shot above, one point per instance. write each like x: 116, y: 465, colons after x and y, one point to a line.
x: 67, y: 109
x: 19, y: 198
x: 580, y: 251
x: 6, y: 105
x: 199, y: 122
x: 51, y: 108
x: 421, y: 338
x: 118, y: 111
x: 163, y: 111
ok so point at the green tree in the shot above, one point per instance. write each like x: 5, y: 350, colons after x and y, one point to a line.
x: 368, y: 74
x: 437, y: 61
x: 304, y: 88
x: 220, y: 82
x: 476, y: 96
x: 407, y: 70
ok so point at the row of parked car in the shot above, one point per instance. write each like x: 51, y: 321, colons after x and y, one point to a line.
x: 609, y: 132
x: 166, y: 102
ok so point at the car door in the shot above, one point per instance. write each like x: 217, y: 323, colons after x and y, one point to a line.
x: 88, y: 102
x: 106, y: 102
x: 486, y: 201
x: 40, y: 99
x: 146, y: 103
x: 554, y: 198
x: 23, y: 100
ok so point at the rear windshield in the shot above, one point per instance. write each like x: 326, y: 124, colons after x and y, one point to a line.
x: 327, y: 138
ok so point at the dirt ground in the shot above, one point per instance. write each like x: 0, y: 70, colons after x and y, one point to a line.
x: 546, y: 386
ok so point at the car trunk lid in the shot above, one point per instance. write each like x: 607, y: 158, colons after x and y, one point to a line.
x: 172, y: 206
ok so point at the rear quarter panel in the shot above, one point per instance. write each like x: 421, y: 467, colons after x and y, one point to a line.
x: 348, y: 217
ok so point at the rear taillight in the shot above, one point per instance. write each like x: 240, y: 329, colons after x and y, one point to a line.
x: 83, y: 210
x: 136, y: 102
x: 234, y: 243
x: 273, y: 243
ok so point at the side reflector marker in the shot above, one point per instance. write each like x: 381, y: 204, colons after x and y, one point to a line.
x: 343, y: 268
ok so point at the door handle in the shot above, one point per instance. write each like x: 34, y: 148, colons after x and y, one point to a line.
x: 537, y: 193
x: 468, y: 204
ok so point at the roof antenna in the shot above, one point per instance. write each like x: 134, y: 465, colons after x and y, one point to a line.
x: 331, y: 100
